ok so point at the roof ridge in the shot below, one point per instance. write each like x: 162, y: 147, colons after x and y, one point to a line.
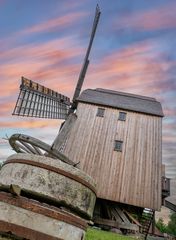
x: 108, y: 91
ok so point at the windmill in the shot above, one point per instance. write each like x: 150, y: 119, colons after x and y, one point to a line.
x: 36, y: 100
x: 115, y: 136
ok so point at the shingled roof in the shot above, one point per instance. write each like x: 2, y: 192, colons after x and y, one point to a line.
x: 120, y: 100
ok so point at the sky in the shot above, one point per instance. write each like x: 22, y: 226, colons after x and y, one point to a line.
x: 133, y: 51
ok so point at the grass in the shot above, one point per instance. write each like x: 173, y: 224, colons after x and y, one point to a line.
x: 95, y: 234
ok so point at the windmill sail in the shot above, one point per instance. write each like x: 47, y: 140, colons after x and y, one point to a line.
x: 86, y: 60
x: 35, y: 100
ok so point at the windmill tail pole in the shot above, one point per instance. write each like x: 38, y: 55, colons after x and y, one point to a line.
x: 86, y: 61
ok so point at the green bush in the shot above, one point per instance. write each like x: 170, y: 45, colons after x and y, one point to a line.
x: 161, y: 226
x: 170, y: 228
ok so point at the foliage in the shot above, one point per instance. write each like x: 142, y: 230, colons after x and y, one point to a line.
x: 171, y: 227
x: 161, y: 226
x: 94, y: 234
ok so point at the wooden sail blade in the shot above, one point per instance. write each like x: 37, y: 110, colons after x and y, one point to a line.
x: 35, y: 100
x: 86, y: 60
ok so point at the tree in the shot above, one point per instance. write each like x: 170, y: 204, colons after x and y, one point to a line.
x: 161, y: 226
x: 171, y: 227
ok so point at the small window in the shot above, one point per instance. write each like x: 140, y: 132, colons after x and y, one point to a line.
x: 122, y: 116
x: 118, y: 145
x: 100, y: 112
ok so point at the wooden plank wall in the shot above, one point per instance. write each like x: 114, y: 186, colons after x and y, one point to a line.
x: 132, y: 176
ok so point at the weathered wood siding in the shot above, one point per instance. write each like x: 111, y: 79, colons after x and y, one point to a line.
x: 132, y: 176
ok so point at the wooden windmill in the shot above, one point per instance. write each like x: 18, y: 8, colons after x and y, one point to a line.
x: 115, y: 137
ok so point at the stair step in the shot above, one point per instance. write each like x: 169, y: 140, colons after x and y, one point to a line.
x: 147, y: 218
x: 146, y: 225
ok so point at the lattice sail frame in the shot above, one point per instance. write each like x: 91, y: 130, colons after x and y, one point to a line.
x: 35, y: 100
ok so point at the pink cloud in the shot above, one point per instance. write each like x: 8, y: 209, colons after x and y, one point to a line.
x: 156, y: 19
x: 137, y: 68
x: 46, y: 63
x: 62, y: 48
x: 170, y: 111
x: 29, y: 123
x: 6, y: 107
x: 72, y: 4
x: 55, y: 23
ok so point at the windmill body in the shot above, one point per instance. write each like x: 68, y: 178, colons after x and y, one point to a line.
x: 116, y: 138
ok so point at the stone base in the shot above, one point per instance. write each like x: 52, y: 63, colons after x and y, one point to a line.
x: 51, y: 179
x: 29, y: 219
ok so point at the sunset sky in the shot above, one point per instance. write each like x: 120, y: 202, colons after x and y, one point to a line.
x: 134, y: 51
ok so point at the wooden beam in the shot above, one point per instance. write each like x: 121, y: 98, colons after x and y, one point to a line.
x: 64, y: 132
x: 86, y: 61
x: 115, y: 215
x: 116, y: 224
x: 122, y: 215
x: 40, y: 208
x: 132, y: 218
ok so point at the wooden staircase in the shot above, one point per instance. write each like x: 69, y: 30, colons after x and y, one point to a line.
x: 146, y: 221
